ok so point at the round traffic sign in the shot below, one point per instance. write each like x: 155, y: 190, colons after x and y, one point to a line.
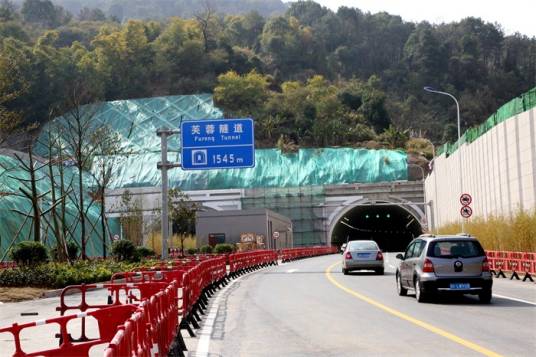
x: 275, y: 235
x: 466, y: 211
x: 466, y: 199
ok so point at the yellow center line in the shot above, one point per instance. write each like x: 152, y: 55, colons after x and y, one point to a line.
x: 413, y: 320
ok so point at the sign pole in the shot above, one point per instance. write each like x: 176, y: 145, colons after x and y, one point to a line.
x: 164, y: 165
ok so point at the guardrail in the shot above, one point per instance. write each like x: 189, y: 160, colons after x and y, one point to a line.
x: 146, y: 309
x: 515, y: 262
x: 291, y: 254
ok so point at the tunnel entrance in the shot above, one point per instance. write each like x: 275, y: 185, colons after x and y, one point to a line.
x: 391, y: 226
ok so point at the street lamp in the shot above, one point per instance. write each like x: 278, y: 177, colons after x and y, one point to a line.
x: 432, y: 90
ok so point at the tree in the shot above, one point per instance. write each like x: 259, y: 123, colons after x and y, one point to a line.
x: 108, y: 154
x: 44, y: 13
x: 241, y: 95
x: 182, y: 212
x: 8, y: 11
x: 79, y: 126
x: 87, y: 14
x: 10, y: 90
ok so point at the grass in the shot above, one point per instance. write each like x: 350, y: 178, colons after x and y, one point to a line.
x: 516, y: 233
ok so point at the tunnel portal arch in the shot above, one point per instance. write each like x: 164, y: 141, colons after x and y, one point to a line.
x: 391, y: 224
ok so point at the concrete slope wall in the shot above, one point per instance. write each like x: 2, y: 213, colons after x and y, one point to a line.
x: 498, y: 170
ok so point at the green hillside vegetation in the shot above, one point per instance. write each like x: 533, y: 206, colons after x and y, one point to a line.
x: 311, y: 77
x: 160, y: 9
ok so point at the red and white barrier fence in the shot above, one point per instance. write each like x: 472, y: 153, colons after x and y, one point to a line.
x: 146, y: 309
x: 290, y: 254
x: 514, y: 262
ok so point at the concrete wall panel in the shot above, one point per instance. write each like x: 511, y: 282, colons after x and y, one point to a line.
x: 499, y: 171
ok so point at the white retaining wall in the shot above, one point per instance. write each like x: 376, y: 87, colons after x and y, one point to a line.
x: 499, y: 171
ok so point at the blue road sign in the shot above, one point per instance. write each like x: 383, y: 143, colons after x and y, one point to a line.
x: 217, y: 144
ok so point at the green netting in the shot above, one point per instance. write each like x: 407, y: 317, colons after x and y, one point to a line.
x: 14, y: 206
x: 137, y: 121
x: 308, y: 167
x: 524, y: 102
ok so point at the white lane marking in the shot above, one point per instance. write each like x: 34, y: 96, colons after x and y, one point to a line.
x: 206, y: 332
x: 392, y: 266
x: 290, y: 271
x: 514, y: 299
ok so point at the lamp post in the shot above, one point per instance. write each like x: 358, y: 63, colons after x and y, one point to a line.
x: 432, y: 90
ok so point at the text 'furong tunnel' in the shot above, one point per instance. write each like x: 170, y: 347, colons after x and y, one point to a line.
x: 390, y: 225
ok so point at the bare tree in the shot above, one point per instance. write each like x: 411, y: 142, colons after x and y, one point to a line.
x: 109, y: 153
x: 206, y: 20
x: 78, y: 133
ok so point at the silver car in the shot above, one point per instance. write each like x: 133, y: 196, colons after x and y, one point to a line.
x: 362, y: 255
x: 444, y: 264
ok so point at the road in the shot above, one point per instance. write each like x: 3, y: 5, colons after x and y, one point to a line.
x: 304, y: 308
x: 309, y: 308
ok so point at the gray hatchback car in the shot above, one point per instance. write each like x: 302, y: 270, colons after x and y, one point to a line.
x: 454, y: 264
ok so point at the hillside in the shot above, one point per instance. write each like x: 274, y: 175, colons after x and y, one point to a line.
x: 160, y: 9
x: 310, y: 77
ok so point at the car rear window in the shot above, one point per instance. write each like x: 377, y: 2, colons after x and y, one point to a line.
x: 356, y: 245
x: 455, y: 249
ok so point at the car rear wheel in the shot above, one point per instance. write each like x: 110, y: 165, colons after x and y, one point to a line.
x: 399, y: 288
x: 345, y: 271
x: 379, y: 271
x: 485, y: 296
x: 419, y: 294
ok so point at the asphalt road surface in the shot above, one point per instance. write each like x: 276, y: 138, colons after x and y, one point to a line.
x: 309, y: 308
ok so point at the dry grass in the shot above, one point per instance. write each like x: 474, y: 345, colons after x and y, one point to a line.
x: 517, y: 233
x: 20, y: 294
x: 155, y: 242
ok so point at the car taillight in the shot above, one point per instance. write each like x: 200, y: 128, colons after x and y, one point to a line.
x: 379, y: 256
x: 485, y: 264
x: 348, y: 255
x: 428, y: 266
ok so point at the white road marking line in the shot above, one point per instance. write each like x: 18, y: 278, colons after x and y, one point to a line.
x: 392, y: 266
x: 514, y: 299
x: 290, y: 271
x: 206, y: 332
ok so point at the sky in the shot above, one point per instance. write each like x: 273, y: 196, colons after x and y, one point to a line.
x: 512, y: 15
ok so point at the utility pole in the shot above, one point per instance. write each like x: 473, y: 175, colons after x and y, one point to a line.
x: 164, y: 165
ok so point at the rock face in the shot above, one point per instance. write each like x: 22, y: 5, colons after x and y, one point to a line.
x: 414, y: 162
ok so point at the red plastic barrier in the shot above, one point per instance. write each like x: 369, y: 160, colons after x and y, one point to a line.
x: 108, y: 320
x: 290, y: 254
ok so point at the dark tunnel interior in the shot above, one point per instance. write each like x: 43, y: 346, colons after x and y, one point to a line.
x: 391, y: 226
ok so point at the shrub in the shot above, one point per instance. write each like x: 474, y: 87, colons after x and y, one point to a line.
x: 206, y: 249
x: 191, y: 251
x: 124, y: 250
x: 72, y: 251
x: 144, y: 252
x: 223, y: 248
x: 29, y: 253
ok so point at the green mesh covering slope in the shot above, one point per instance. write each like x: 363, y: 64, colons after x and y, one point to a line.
x: 308, y: 167
x: 137, y: 121
x: 14, y: 206
x: 524, y: 102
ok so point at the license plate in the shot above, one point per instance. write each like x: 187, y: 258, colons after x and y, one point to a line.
x: 460, y: 286
x: 362, y: 255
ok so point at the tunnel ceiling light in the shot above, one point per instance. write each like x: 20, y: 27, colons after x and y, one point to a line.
x: 388, y: 215
x: 377, y: 216
x: 367, y: 216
